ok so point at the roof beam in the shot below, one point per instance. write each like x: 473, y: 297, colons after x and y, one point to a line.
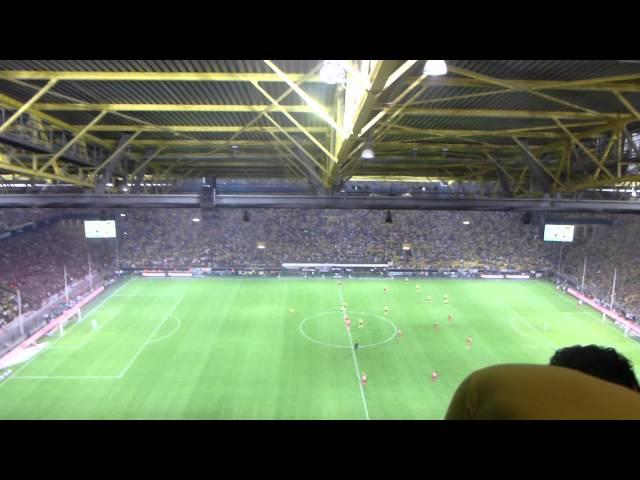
x: 203, y: 143
x: 359, y: 105
x: 167, y: 107
x: 6, y: 164
x: 537, y: 132
x: 591, y: 84
x: 150, y: 76
x: 146, y: 161
x: 35, y: 112
x: 506, y: 84
x: 300, y: 127
x: 299, y: 163
x: 530, y: 154
x: 595, y: 159
x: 73, y: 141
x: 598, y: 83
x: 526, y: 114
x: 265, y: 110
x: 24, y: 107
x: 294, y: 142
x: 316, y: 107
x: 197, y: 128
x: 627, y: 104
x: 395, y: 103
x: 116, y: 153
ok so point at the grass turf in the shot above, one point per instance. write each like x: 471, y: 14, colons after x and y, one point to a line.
x: 231, y: 349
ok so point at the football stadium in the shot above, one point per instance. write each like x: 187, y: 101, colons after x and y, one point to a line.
x: 314, y: 239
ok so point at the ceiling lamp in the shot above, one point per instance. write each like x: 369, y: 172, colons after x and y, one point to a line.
x: 332, y: 72
x: 435, y: 68
x: 368, y: 153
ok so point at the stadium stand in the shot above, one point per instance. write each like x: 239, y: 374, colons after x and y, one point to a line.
x: 34, y: 262
x: 608, y: 248
x: 16, y: 217
x: 157, y: 238
x: 8, y: 307
x: 162, y: 238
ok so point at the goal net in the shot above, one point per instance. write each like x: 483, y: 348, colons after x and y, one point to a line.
x: 65, y: 322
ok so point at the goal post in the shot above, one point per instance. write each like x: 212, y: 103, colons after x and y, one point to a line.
x: 71, y: 317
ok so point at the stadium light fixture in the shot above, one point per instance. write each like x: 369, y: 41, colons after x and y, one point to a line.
x: 368, y: 153
x: 123, y: 214
x: 125, y: 189
x: 196, y: 220
x: 466, y: 222
x: 435, y: 68
x: 332, y: 72
x: 108, y: 184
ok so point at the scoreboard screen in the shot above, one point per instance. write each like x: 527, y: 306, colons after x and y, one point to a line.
x: 558, y: 233
x: 100, y: 228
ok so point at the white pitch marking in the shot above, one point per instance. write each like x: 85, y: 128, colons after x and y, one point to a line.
x: 170, y: 333
x: 169, y: 313
x: 355, y: 360
x: 57, y: 377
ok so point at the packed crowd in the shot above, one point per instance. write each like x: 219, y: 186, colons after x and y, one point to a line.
x: 153, y: 238
x: 161, y: 238
x: 16, y: 217
x: 8, y: 307
x: 608, y: 249
x: 34, y: 262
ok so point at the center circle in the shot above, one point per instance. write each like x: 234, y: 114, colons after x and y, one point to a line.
x: 327, y: 327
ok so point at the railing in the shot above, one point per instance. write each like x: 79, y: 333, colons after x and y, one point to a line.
x: 66, y: 315
x: 612, y: 314
x: 19, y: 329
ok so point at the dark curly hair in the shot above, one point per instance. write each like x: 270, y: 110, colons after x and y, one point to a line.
x: 601, y: 362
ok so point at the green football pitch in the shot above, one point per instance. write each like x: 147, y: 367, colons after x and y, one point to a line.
x: 232, y: 348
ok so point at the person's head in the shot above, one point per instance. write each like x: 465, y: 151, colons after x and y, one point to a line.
x: 601, y: 362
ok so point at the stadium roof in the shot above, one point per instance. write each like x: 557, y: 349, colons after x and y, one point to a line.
x: 529, y: 126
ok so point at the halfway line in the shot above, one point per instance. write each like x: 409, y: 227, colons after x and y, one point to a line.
x: 355, y: 359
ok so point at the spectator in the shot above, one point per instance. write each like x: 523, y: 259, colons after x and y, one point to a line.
x: 604, y: 363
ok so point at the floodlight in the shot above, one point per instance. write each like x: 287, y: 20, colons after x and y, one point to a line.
x: 435, y: 68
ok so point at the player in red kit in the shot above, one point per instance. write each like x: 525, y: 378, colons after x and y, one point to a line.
x: 434, y: 376
x: 469, y: 342
x: 363, y: 379
x: 347, y: 322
